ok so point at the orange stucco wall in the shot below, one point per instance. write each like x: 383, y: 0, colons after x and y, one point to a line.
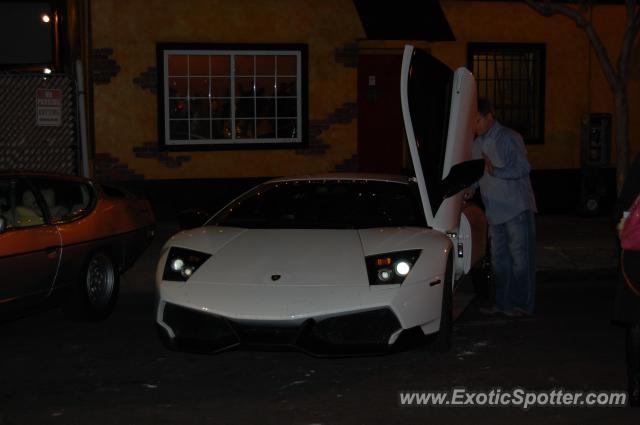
x: 575, y: 84
x: 125, y: 115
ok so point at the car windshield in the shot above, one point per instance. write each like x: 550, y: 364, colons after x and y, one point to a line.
x: 328, y: 204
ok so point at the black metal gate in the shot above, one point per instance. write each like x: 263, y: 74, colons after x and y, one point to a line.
x: 38, y: 123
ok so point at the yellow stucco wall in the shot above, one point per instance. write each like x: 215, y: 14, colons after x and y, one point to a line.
x: 126, y: 116
x: 575, y: 84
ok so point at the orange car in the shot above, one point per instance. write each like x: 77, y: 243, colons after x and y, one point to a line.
x: 69, y: 236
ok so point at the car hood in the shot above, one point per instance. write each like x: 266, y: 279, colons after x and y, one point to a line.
x: 295, y: 256
x: 277, y: 256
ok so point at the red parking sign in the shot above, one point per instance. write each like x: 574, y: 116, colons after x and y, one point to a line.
x: 49, y: 107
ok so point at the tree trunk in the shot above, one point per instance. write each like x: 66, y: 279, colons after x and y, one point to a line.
x: 622, y: 133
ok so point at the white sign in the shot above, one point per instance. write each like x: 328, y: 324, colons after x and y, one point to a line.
x: 49, y: 107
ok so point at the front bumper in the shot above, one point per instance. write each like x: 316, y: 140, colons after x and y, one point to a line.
x: 350, y: 333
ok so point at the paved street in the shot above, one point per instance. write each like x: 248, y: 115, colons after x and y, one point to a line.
x: 116, y: 372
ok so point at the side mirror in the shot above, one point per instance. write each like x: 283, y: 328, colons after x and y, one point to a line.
x: 462, y: 176
x: 3, y: 225
x: 189, y: 219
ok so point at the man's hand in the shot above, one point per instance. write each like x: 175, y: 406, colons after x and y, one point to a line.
x: 488, y: 165
x: 620, y: 225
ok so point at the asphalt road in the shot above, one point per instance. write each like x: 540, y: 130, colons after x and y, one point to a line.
x: 53, y: 371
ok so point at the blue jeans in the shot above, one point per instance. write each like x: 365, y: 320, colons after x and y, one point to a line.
x: 513, y: 259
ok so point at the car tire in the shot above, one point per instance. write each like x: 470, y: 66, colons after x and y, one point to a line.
x: 442, y: 340
x: 94, y: 295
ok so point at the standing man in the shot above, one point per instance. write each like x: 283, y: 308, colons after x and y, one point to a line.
x: 510, y: 206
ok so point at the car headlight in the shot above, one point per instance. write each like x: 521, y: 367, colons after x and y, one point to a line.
x: 391, y: 268
x: 182, y: 263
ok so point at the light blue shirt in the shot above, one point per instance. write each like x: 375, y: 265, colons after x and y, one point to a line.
x: 507, y: 191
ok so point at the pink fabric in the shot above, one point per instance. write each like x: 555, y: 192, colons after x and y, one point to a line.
x: 630, y: 236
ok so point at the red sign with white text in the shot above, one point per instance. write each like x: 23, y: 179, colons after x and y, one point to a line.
x: 49, y: 107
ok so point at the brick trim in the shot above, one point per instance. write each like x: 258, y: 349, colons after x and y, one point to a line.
x: 107, y: 167
x: 148, y: 80
x: 348, y: 165
x: 151, y: 150
x: 103, y: 66
x: 342, y: 115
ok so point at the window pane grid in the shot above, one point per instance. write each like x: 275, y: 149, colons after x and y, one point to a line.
x: 512, y: 78
x: 203, y: 107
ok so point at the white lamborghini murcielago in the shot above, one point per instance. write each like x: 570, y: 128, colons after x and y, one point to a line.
x: 340, y: 263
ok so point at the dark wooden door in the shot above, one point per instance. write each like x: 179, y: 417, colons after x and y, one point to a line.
x: 380, y: 129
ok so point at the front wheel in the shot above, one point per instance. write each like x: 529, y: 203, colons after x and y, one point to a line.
x: 96, y: 292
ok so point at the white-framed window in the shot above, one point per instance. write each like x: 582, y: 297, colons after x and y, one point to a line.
x: 232, y: 96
